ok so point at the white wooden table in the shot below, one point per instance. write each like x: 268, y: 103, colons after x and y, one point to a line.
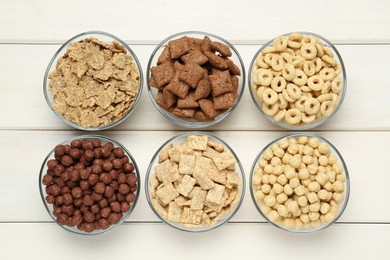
x: 30, y: 33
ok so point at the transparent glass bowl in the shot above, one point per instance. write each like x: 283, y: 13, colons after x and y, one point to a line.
x: 49, y: 207
x: 181, y: 138
x: 104, y: 37
x: 342, y: 205
x: 316, y: 122
x: 191, y: 123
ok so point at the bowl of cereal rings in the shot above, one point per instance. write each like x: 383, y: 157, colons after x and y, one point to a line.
x: 300, y: 183
x: 298, y: 80
x: 195, y: 182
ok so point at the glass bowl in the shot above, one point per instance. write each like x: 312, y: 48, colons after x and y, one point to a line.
x: 181, y: 138
x: 317, y: 122
x: 106, y: 38
x: 191, y: 123
x: 49, y: 207
x: 341, y: 206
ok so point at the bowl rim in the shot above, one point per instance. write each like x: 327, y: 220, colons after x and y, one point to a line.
x: 55, y: 58
x: 182, y: 122
x: 149, y: 173
x: 315, y: 123
x: 74, y: 230
x: 347, y: 184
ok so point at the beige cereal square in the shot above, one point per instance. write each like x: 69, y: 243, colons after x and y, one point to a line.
x: 210, y: 152
x: 197, y: 142
x: 202, y: 166
x: 167, y: 172
x: 164, y: 155
x: 215, y: 195
x: 193, y: 191
x: 224, y: 160
x: 160, y: 209
x: 167, y: 193
x: 218, y: 147
x: 174, y: 212
x: 218, y: 176
x: 186, y: 185
x: 186, y: 164
x: 198, y: 199
x: 154, y: 183
x: 183, y: 201
x: 176, y: 151
x: 233, y: 179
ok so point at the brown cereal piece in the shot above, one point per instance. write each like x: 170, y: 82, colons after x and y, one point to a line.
x: 164, y: 155
x: 188, y: 102
x: 195, y: 57
x: 174, y: 212
x: 215, y: 195
x: 225, y: 101
x: 203, y: 89
x: 160, y: 209
x: 179, y: 47
x: 160, y: 99
x: 194, y: 43
x: 218, y: 147
x: 165, y: 56
x: 179, y: 88
x: 233, y: 68
x: 177, y: 151
x: 207, y: 106
x: 197, y: 142
x: 216, y: 61
x: 221, y: 83
x: 233, y: 179
x: 206, y: 44
x: 186, y: 164
x: 235, y: 83
x: 167, y: 172
x: 201, y: 116
x: 183, y: 201
x: 166, y: 194
x: 224, y: 160
x: 178, y: 66
x: 202, y: 166
x: 169, y: 98
x: 218, y: 176
x: 183, y: 112
x: 163, y: 74
x: 192, y: 73
x: 223, y: 49
x: 152, y: 83
x: 186, y: 184
x: 198, y: 199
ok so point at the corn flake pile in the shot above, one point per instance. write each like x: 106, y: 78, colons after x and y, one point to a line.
x: 94, y: 83
x: 195, y: 182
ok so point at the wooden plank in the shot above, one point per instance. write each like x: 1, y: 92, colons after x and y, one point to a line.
x: 364, y: 153
x: 24, y: 67
x: 157, y: 241
x: 150, y: 21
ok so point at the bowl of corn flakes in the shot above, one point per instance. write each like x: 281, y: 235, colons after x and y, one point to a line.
x: 93, y: 82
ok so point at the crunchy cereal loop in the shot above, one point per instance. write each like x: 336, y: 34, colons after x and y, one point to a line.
x: 300, y: 78
x: 309, y: 39
x: 263, y: 77
x: 324, y: 97
x: 320, y: 49
x: 307, y: 119
x: 327, y: 74
x: 326, y: 108
x: 293, y: 116
x: 277, y: 62
x: 268, y: 50
x: 318, y: 64
x: 300, y: 104
x: 287, y: 57
x: 308, y: 51
x: 328, y: 51
x: 288, y: 72
x: 270, y: 109
x: 331, y: 61
x: 309, y: 68
x: 259, y: 93
x: 278, y: 84
x: 298, y: 62
x: 337, y: 85
x: 280, y: 43
x: 315, y: 83
x: 287, y: 96
x: 260, y: 62
x: 312, y: 106
x: 294, y: 91
x: 269, y: 96
x: 282, y: 102
x: 280, y: 115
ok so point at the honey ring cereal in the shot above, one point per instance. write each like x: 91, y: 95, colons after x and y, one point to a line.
x: 268, y: 58
x: 315, y: 83
x: 307, y: 119
x: 309, y: 39
x: 277, y: 63
x: 312, y: 106
x: 270, y: 109
x: 260, y: 62
x: 318, y: 64
x: 308, y: 51
x: 328, y: 51
x: 280, y: 115
x: 326, y: 108
x: 264, y: 77
x: 293, y: 91
x: 293, y: 116
x: 309, y: 68
x: 259, y: 93
x: 300, y: 103
x: 320, y: 49
x: 282, y: 102
x: 337, y: 85
x: 286, y: 57
x: 324, y: 97
x: 268, y: 50
x: 298, y: 62
x: 331, y: 61
x: 305, y: 89
x: 326, y: 88
x: 269, y: 96
x: 300, y: 78
x: 288, y: 72
x: 278, y: 84
x: 280, y: 43
x: 327, y: 74
x: 287, y: 97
